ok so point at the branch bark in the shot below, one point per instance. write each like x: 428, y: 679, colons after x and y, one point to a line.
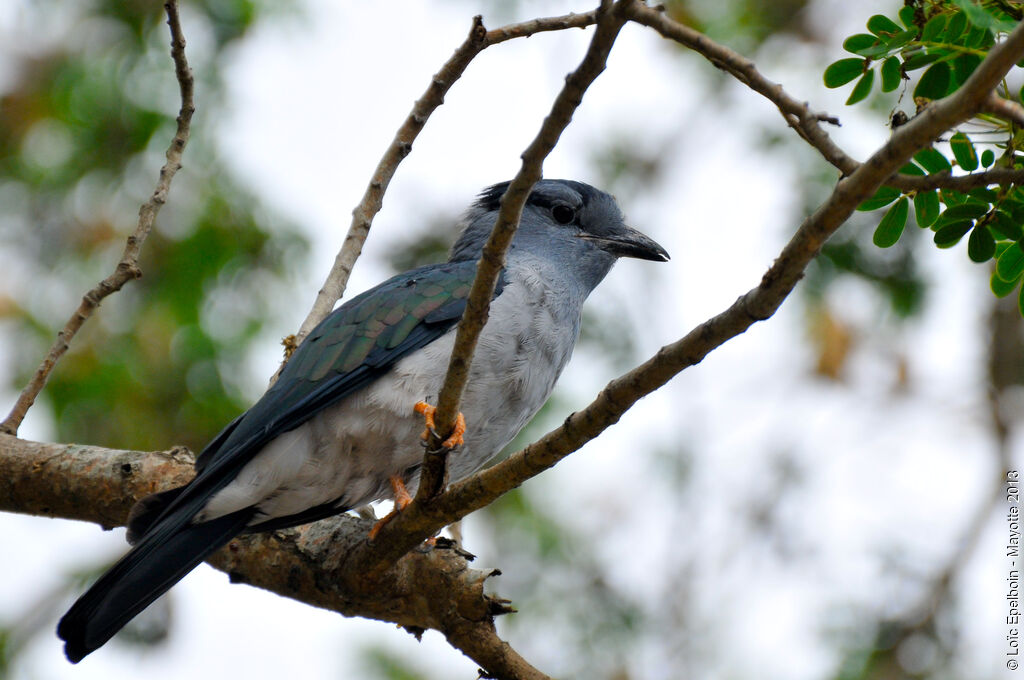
x: 426, y: 589
x: 128, y: 268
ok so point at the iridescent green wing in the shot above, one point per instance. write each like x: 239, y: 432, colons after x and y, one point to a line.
x: 352, y: 347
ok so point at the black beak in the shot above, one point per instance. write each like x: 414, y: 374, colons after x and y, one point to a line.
x: 630, y: 243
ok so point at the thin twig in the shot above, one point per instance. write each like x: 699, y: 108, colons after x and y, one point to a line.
x: 945, y: 180
x: 798, y: 115
x: 807, y: 123
x: 420, y: 520
x: 492, y: 260
x: 1005, y: 108
x: 128, y: 268
x: 478, y: 40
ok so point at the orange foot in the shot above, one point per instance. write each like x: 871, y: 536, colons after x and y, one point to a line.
x: 428, y: 411
x: 402, y: 500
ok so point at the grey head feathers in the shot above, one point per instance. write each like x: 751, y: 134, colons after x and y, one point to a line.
x: 574, y: 224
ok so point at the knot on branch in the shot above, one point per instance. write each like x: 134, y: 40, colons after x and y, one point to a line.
x: 478, y: 33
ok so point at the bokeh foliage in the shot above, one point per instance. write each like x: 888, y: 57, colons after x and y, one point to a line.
x: 84, y: 123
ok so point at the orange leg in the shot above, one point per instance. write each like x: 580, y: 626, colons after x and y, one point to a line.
x: 428, y: 411
x: 402, y: 499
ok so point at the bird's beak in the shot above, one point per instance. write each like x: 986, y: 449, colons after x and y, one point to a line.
x: 630, y: 243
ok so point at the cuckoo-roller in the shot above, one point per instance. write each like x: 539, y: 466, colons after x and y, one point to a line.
x: 338, y: 428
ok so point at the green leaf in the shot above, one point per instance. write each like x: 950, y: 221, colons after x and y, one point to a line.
x: 964, y: 65
x: 901, y: 39
x: 988, y: 157
x: 907, y: 16
x: 1010, y: 264
x: 965, y: 211
x: 860, y: 41
x: 911, y: 169
x: 921, y: 59
x: 862, y: 89
x: 952, y: 197
x: 983, y: 195
x: 890, y: 228
x: 1001, y: 288
x: 1006, y: 226
x: 933, y: 28
x: 949, y: 235
x: 841, y: 72
x: 883, y: 26
x: 874, y: 52
x: 926, y: 207
x: 982, y: 18
x: 964, y: 152
x: 975, y: 14
x: 1013, y: 207
x: 981, y: 246
x: 891, y: 75
x: 1020, y: 301
x: 932, y: 160
x: 883, y: 197
x: 978, y: 38
x: 957, y: 24
x: 934, y: 84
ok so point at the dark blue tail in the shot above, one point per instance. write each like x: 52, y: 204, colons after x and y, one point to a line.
x: 166, y: 552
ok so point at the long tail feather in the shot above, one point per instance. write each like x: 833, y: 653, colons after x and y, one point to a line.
x: 163, y: 556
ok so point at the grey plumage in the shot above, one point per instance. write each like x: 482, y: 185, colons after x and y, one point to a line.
x: 339, y: 421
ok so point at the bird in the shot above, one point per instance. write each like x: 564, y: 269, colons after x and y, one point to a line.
x: 333, y: 432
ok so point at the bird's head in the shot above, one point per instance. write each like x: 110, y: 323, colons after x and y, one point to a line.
x: 570, y: 222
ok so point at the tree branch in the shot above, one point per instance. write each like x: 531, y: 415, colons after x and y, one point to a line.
x: 478, y: 40
x: 798, y: 115
x: 946, y: 180
x: 492, y: 260
x: 128, y: 268
x: 1004, y: 108
x: 807, y: 123
x: 433, y: 589
x: 420, y: 520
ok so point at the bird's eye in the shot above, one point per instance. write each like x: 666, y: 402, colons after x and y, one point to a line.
x: 563, y: 214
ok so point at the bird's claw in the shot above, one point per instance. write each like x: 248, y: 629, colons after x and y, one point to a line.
x: 402, y: 500
x: 454, y: 439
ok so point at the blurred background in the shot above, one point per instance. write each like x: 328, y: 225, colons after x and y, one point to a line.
x: 820, y: 498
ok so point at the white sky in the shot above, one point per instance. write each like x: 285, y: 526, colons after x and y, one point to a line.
x: 314, y: 105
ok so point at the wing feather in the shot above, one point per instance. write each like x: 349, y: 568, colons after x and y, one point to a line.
x: 359, y: 342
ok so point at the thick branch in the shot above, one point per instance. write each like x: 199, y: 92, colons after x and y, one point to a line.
x: 426, y: 589
x: 478, y: 40
x: 760, y: 303
x: 492, y: 260
x: 128, y: 268
x: 89, y: 483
